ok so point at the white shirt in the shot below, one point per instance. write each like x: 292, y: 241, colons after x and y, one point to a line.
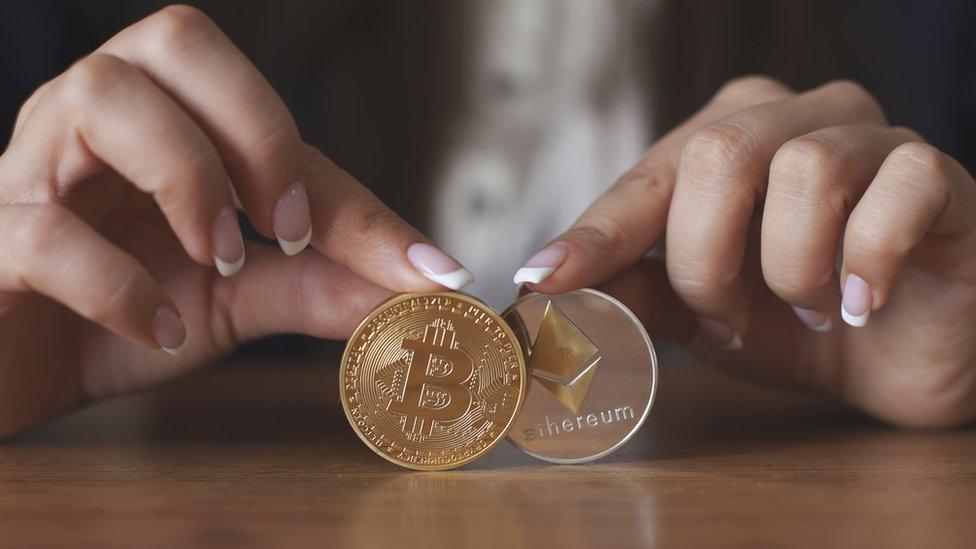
x: 555, y: 114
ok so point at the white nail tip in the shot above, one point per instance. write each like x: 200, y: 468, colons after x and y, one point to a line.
x: 534, y: 275
x: 454, y: 280
x: 228, y: 269
x: 856, y: 321
x: 177, y: 350
x: 735, y: 343
x: 293, y: 247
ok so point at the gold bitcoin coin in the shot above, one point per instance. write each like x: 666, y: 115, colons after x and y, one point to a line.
x: 432, y: 381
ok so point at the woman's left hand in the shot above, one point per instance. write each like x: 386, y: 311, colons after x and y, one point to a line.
x: 782, y: 214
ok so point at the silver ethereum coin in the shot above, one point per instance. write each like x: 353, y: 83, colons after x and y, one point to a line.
x: 592, y: 375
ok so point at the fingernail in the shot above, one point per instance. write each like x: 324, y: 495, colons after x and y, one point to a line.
x: 542, y: 264
x: 815, y: 320
x: 169, y: 331
x: 293, y: 220
x: 855, y: 306
x: 721, y: 333
x: 438, y: 266
x: 227, y: 242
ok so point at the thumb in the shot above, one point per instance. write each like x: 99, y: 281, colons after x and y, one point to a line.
x: 306, y: 294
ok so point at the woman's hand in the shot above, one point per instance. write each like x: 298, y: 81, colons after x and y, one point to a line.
x: 770, y: 200
x: 118, y: 198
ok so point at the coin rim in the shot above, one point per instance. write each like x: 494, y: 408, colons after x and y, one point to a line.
x: 520, y: 354
x: 654, y: 379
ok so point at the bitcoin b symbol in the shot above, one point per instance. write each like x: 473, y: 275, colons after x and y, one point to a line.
x: 434, y: 389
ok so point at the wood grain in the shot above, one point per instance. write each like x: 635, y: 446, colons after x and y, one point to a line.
x: 260, y: 455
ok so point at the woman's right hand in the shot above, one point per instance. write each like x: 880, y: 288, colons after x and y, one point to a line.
x: 119, y: 195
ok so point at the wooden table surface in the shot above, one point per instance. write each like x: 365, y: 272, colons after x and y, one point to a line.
x: 261, y: 455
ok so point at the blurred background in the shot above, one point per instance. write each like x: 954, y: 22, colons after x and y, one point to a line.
x: 491, y: 124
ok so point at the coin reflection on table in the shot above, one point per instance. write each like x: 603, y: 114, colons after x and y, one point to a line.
x: 432, y: 381
x: 592, y: 375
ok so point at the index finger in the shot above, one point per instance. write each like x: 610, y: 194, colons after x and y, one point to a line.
x: 629, y: 219
x: 188, y: 56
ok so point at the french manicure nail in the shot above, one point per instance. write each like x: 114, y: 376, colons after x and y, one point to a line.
x: 293, y: 220
x: 541, y: 265
x: 227, y: 242
x: 438, y: 266
x: 855, y: 306
x: 815, y: 320
x: 169, y: 331
x: 721, y: 333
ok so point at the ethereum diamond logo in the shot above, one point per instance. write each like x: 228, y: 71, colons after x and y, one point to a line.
x: 563, y: 359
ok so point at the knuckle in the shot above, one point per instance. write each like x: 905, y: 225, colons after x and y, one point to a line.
x: 875, y: 243
x: 717, y: 149
x: 92, y: 78
x: 919, y: 158
x: 25, y: 107
x: 604, y: 234
x: 276, y: 139
x: 102, y: 307
x: 752, y: 89
x: 699, y: 280
x: 860, y: 101
x: 792, y: 284
x: 194, y: 173
x: 694, y: 289
x: 317, y: 166
x: 28, y: 105
x: 807, y: 170
x: 174, y: 27
x: 689, y: 287
x: 36, y: 233
x: 806, y: 162
x: 644, y: 180
x: 370, y: 222
x: 198, y: 171
x: 849, y: 89
x: 368, y: 225
x: 181, y: 20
